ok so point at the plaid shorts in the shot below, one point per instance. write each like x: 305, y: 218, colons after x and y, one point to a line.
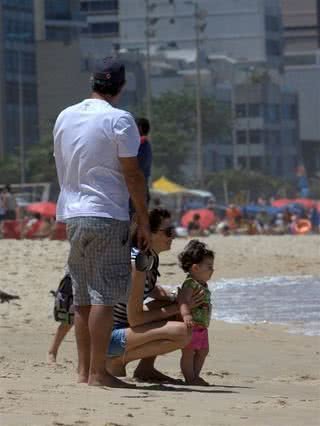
x: 99, y: 260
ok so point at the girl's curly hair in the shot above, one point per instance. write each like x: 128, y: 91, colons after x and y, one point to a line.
x: 193, y: 253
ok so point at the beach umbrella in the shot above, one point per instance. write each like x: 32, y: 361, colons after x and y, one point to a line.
x: 45, y: 208
x: 305, y: 202
x: 207, y: 217
x: 282, y: 202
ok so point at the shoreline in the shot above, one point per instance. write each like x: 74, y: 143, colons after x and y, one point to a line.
x: 260, y: 374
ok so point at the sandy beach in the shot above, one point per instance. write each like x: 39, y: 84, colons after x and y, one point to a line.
x: 260, y: 375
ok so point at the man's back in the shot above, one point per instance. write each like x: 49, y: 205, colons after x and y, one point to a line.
x: 88, y: 139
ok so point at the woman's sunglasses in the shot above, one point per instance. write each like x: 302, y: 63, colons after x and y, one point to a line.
x: 169, y: 231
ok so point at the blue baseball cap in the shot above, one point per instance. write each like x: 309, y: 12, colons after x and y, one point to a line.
x: 110, y: 70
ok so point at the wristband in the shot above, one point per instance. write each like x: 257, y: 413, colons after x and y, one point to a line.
x: 144, y: 261
x: 173, y: 296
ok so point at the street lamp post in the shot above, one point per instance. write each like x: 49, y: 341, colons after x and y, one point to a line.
x: 148, y: 67
x: 199, y: 26
x: 198, y: 102
x: 19, y: 38
x: 249, y: 70
x: 21, y: 120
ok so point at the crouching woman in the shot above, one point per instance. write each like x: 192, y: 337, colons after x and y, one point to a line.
x: 150, y: 333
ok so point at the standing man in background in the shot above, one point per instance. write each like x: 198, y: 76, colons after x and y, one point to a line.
x: 144, y: 156
x: 96, y: 147
x: 145, y: 150
x: 9, y: 204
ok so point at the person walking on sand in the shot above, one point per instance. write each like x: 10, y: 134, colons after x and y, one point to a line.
x: 95, y: 148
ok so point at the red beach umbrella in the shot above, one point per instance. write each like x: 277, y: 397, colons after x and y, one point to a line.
x: 45, y: 208
x: 306, y: 202
x: 282, y: 202
x: 207, y: 217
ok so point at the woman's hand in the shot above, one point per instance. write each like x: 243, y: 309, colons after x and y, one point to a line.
x: 197, y: 298
x: 187, y: 319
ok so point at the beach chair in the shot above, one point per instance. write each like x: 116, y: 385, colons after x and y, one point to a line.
x: 59, y: 232
x: 11, y: 229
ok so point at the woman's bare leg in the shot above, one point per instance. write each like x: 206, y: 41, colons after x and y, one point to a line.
x: 145, y: 369
x: 149, y: 340
x: 62, y: 331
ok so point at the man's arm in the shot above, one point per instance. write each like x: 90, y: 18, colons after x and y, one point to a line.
x: 137, y: 189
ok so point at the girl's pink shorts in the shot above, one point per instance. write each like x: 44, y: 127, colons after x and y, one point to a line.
x: 200, y: 338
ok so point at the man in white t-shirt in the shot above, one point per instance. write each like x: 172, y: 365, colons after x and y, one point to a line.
x: 95, y: 147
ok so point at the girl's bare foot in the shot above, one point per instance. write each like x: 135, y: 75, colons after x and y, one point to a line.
x: 51, y: 357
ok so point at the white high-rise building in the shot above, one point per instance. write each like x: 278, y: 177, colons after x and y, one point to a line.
x: 244, y: 29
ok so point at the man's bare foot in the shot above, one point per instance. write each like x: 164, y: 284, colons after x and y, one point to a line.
x: 109, y: 381
x: 51, y: 358
x: 153, y: 375
x: 116, y: 367
x: 82, y: 378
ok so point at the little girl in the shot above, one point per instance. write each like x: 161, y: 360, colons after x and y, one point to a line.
x: 197, y: 261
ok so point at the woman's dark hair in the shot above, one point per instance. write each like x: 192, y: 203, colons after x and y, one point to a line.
x: 156, y: 216
x: 193, y: 253
x: 105, y: 87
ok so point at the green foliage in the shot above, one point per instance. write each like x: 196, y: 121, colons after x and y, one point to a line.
x: 174, y: 130
x: 10, y: 169
x: 40, y: 162
x: 315, y: 188
x: 253, y: 184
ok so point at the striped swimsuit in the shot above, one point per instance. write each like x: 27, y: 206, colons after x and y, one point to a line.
x: 120, y: 316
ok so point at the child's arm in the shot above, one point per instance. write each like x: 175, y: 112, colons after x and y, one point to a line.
x: 185, y: 301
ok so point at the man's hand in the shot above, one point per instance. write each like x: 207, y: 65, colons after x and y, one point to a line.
x: 143, y: 237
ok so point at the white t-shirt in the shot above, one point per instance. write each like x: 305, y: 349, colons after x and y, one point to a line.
x: 88, y: 139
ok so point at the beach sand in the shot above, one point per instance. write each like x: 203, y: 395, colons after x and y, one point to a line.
x: 259, y: 374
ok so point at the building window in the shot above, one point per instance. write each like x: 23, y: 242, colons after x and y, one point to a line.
x: 255, y: 136
x: 242, y: 162
x: 272, y: 113
x: 273, y: 48
x: 255, y: 110
x: 279, y: 166
x: 273, y: 137
x: 272, y: 23
x: 108, y: 6
x: 29, y: 94
x: 12, y: 93
x: 241, y: 137
x: 228, y: 162
x: 59, y: 34
x: 255, y: 163
x: 241, y: 110
x: 105, y: 28
x: 293, y: 112
x: 58, y: 10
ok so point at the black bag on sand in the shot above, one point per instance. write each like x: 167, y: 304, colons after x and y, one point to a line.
x: 63, y: 310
